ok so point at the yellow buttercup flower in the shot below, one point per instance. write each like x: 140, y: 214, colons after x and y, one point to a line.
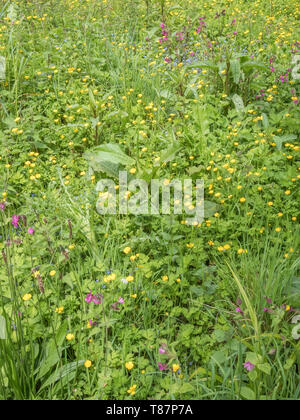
x: 175, y: 367
x: 27, y: 297
x: 87, y: 364
x: 129, y: 365
x: 132, y: 390
x: 59, y: 310
x: 70, y: 337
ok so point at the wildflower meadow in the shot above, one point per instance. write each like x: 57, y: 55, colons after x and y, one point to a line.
x: 149, y: 200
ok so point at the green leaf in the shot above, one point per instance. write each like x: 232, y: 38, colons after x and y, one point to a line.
x: 2, y: 328
x: 252, y: 65
x: 290, y: 362
x: 204, y: 65
x: 2, y: 67
x: 170, y: 153
x: 264, y: 367
x: 109, y: 153
x: 247, y: 393
x: 53, y: 351
x: 253, y: 358
x: 235, y: 68
x: 238, y: 103
x: 181, y: 389
x: 280, y: 140
x: 66, y: 372
x: 252, y: 375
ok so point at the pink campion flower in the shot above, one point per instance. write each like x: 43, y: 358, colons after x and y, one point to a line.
x: 88, y: 298
x: 115, y: 307
x: 238, y: 310
x: 15, y: 220
x: 162, y: 25
x: 249, y: 366
x: 121, y: 300
x: 162, y: 350
x: 162, y: 366
x: 30, y: 231
x: 269, y: 301
x: 2, y: 206
x: 97, y: 299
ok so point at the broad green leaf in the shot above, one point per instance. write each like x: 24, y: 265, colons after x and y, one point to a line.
x: 2, y: 67
x: 235, y: 68
x: 252, y: 375
x: 247, y: 393
x: 238, y: 103
x: 252, y: 65
x: 253, y: 358
x: 109, y: 153
x: 290, y: 362
x: 2, y: 328
x: 280, y: 140
x: 204, y: 65
x: 53, y: 351
x: 264, y: 367
x: 170, y: 153
x: 67, y: 371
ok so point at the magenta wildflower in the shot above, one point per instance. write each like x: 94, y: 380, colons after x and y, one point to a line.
x: 30, y: 231
x: 115, y: 307
x: 249, y: 366
x: 2, y: 206
x: 162, y: 350
x: 15, y: 220
x: 88, y: 298
x: 97, y: 299
x: 162, y: 366
x: 121, y: 300
x: 238, y: 310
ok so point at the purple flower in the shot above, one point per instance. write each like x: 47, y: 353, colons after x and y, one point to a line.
x: 162, y: 350
x: 30, y: 231
x: 88, y: 298
x: 162, y: 366
x: 115, y: 307
x: 269, y: 301
x: 15, y: 220
x: 121, y: 300
x: 2, y: 206
x: 249, y: 366
x: 238, y: 310
x: 97, y: 299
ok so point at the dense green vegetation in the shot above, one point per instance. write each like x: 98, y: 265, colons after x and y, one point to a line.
x: 147, y: 306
